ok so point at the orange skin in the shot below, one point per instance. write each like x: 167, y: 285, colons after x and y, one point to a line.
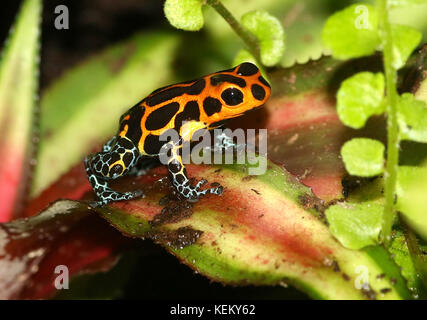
x: 227, y: 112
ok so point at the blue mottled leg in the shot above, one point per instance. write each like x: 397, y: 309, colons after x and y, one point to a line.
x: 120, y: 157
x: 104, y: 193
x: 182, y: 183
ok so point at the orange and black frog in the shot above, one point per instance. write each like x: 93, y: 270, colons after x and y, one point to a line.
x: 185, y: 107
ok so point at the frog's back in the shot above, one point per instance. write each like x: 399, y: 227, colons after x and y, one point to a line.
x: 164, y: 109
x: 192, y: 105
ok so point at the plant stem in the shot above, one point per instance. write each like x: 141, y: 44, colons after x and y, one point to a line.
x: 390, y: 175
x: 248, y: 38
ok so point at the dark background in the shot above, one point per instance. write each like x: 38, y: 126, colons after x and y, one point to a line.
x: 94, y: 24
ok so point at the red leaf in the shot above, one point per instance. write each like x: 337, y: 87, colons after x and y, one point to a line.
x: 66, y: 234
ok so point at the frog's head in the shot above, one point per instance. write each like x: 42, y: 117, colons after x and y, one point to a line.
x: 234, y: 92
x: 116, y: 161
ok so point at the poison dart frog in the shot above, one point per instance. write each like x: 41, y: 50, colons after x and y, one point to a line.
x: 188, y: 106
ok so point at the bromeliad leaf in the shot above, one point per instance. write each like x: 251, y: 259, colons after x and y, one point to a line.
x: 359, y: 97
x: 18, y: 88
x: 405, y: 39
x: 352, y: 32
x: 355, y: 225
x: 65, y: 234
x: 363, y: 157
x: 270, y: 34
x: 184, y: 14
x: 242, y: 238
x: 412, y: 117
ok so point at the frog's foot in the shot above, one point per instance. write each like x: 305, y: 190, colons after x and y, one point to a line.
x: 107, y: 195
x: 181, y: 182
x: 110, y: 195
x: 193, y: 193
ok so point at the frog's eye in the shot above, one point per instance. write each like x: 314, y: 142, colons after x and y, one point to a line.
x: 232, y: 96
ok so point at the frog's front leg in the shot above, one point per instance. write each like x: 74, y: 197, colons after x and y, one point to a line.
x: 105, y: 166
x: 104, y: 193
x: 180, y: 179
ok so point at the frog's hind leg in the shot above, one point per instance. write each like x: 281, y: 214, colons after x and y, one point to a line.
x: 118, y: 157
x: 103, y: 191
x: 182, y: 183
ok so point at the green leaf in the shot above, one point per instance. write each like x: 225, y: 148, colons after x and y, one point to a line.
x: 402, y: 256
x: 360, y: 97
x: 355, y: 225
x: 246, y: 56
x: 243, y: 56
x: 405, y: 40
x: 420, y: 86
x: 411, y: 193
x: 363, y: 157
x: 98, y: 91
x: 412, y: 118
x: 352, y: 32
x: 270, y: 34
x: 404, y: 3
x: 18, y: 92
x: 184, y: 14
x: 302, y: 22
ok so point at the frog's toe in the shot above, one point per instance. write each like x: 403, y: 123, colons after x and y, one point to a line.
x: 129, y: 195
x: 200, y: 184
x: 110, y: 196
x: 135, y: 194
x: 194, y: 193
x: 217, y: 190
x: 95, y: 204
